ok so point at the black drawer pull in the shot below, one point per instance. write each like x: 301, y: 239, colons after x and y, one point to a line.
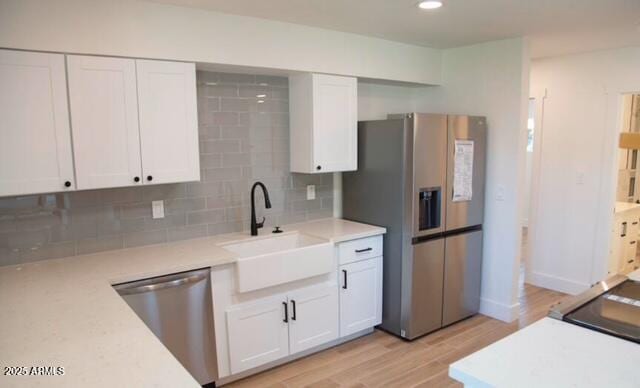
x: 344, y: 274
x: 630, y: 261
x: 632, y: 242
x: 364, y: 250
x: 286, y: 312
x: 293, y: 304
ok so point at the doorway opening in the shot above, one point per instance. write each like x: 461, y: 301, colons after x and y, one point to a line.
x: 625, y: 232
x: 526, y: 200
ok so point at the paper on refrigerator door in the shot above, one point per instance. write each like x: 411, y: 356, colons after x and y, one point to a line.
x: 463, y: 170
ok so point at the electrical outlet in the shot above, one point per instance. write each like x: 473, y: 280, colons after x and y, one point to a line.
x: 157, y: 209
x: 311, y: 192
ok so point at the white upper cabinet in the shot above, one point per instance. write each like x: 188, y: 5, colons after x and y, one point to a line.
x: 104, y: 118
x: 168, y: 121
x: 132, y: 122
x: 35, y: 141
x: 324, y: 120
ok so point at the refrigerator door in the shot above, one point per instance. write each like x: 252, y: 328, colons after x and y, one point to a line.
x: 462, y: 275
x: 466, y: 213
x: 429, y: 173
x: 425, y: 313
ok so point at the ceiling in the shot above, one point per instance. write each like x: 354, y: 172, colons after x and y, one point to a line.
x: 554, y: 26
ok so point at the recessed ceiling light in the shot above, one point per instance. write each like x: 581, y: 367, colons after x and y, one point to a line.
x: 260, y: 101
x: 261, y: 95
x: 430, y: 4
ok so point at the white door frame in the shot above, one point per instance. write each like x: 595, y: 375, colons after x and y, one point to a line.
x: 539, y: 95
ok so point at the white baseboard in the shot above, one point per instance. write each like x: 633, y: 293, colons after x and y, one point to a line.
x: 555, y: 283
x: 499, y: 310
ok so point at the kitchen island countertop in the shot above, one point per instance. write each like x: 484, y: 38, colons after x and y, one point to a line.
x: 553, y: 353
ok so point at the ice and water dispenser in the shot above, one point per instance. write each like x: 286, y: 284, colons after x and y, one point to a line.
x: 429, y: 201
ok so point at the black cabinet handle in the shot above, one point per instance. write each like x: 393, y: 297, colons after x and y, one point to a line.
x: 67, y: 184
x: 630, y: 261
x: 344, y: 275
x: 149, y: 178
x: 364, y: 250
x: 286, y: 312
x: 624, y: 229
x: 136, y: 179
x: 293, y: 304
x: 318, y: 168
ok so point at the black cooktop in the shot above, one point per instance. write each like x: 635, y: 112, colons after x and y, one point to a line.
x: 616, y: 312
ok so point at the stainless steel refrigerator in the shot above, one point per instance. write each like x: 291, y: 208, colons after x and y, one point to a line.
x: 422, y: 177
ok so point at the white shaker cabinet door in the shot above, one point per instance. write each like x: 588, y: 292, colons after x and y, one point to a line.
x: 313, y: 317
x: 104, y: 118
x: 168, y: 121
x: 360, y: 295
x: 257, y: 333
x: 335, y: 120
x: 35, y: 140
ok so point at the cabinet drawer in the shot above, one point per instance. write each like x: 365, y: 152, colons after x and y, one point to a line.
x: 356, y: 250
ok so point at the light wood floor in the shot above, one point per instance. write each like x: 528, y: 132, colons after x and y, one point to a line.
x: 383, y: 360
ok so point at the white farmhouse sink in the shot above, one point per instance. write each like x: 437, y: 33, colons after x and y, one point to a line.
x: 272, y: 260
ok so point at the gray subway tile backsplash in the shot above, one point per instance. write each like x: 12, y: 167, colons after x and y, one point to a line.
x: 241, y: 141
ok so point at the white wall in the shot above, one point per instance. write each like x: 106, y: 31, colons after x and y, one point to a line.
x: 146, y: 29
x: 574, y: 185
x: 376, y: 101
x: 491, y: 79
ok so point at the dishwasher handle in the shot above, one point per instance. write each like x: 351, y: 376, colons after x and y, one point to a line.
x: 133, y: 288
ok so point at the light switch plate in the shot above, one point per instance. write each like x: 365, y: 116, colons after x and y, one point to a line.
x: 157, y: 209
x: 311, y: 192
x: 500, y: 193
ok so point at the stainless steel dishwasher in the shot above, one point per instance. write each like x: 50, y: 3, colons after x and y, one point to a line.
x: 178, y: 310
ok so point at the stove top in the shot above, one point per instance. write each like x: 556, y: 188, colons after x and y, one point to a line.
x: 616, y: 312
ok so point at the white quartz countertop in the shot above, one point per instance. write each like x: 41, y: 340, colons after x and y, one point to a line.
x: 553, y: 353
x: 64, y: 312
x: 626, y: 206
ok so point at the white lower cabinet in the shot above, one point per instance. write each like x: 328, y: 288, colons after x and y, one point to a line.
x: 314, y: 317
x: 258, y: 333
x: 624, y: 241
x: 266, y: 326
x: 360, y: 295
x: 271, y: 328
